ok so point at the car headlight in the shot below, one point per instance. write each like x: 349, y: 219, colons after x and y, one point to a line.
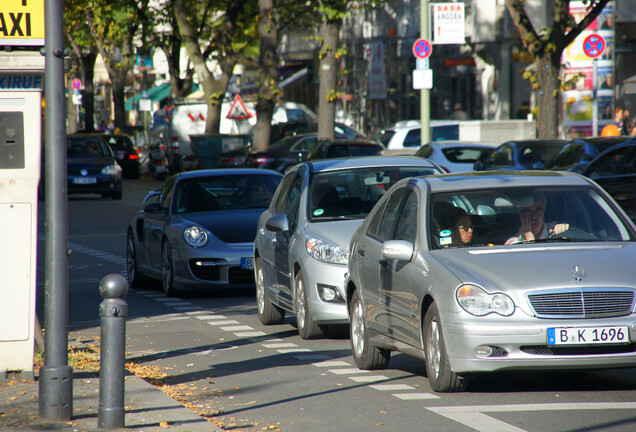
x: 476, y: 301
x: 327, y: 252
x: 111, y: 169
x: 195, y: 236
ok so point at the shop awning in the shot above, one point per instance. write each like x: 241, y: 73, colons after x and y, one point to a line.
x: 155, y: 94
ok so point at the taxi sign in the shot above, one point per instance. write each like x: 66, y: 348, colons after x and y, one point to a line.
x: 22, y: 23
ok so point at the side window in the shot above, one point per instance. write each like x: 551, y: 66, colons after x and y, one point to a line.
x: 293, y: 202
x: 610, y: 164
x: 374, y: 225
x: 413, y: 138
x: 503, y: 156
x: 166, y: 194
x: 426, y: 151
x: 281, y: 198
x: 407, y: 223
x: 390, y: 215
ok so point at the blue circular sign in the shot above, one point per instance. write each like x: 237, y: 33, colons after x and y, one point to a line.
x: 422, y: 48
x: 594, y: 45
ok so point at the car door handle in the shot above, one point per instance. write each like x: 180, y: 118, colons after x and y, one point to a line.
x: 360, y: 251
x: 384, y: 263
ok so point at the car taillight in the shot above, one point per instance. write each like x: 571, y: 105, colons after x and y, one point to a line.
x: 259, y: 160
x: 175, y: 145
x: 133, y: 156
x: 228, y: 159
x: 159, y: 162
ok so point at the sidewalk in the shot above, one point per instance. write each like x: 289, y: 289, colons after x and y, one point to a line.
x: 147, y: 408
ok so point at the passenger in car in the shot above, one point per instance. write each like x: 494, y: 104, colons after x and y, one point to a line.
x: 452, y: 225
x: 532, y: 227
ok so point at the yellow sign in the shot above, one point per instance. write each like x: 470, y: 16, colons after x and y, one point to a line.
x: 22, y: 22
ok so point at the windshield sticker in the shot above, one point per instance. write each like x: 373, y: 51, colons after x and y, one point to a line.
x: 445, y: 240
x: 445, y: 233
x: 318, y: 212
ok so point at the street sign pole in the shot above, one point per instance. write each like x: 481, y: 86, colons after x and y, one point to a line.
x: 594, y: 97
x: 56, y: 376
x: 593, y: 47
x: 425, y: 96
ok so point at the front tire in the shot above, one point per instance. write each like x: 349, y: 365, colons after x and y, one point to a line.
x: 135, y: 279
x: 268, y: 313
x: 365, y: 354
x: 167, y: 269
x: 440, y: 375
x: 307, y: 328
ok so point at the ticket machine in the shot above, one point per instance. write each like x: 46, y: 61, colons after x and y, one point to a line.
x: 20, y: 148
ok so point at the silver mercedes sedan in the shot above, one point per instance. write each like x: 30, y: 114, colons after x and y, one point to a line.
x: 488, y: 271
x: 302, y: 240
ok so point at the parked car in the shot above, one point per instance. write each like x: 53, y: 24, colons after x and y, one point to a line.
x: 284, y: 153
x: 521, y: 155
x: 405, y: 135
x: 615, y: 171
x: 560, y: 301
x: 301, y: 245
x: 198, y: 231
x: 91, y: 166
x: 456, y: 156
x: 126, y: 154
x: 578, y: 153
x: 281, y: 130
x: 328, y: 149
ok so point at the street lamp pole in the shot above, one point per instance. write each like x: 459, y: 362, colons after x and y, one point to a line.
x: 425, y: 96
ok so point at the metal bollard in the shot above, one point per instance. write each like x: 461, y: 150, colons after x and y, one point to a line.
x: 112, y: 311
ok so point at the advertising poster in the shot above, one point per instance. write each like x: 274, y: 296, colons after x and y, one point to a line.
x: 578, y: 76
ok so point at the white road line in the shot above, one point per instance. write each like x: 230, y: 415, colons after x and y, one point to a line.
x: 151, y: 294
x: 280, y: 345
x: 210, y: 317
x: 347, y: 371
x: 313, y: 357
x: 293, y: 350
x: 165, y: 299
x: 220, y: 323
x: 391, y: 387
x: 415, y: 396
x: 237, y: 328
x: 368, y: 378
x: 333, y: 363
x: 178, y: 303
x: 188, y: 308
x: 250, y: 334
x: 474, y: 417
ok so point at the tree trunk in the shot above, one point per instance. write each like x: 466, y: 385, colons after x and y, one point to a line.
x: 88, y: 96
x: 329, y: 31
x: 118, y: 80
x: 547, y: 70
x: 268, y: 76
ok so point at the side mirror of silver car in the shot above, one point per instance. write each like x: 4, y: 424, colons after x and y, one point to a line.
x: 401, y: 250
x: 277, y: 223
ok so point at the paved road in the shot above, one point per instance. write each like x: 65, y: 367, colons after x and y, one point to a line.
x: 253, y: 378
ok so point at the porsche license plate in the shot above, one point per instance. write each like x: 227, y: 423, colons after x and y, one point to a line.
x: 247, y: 263
x: 588, y: 335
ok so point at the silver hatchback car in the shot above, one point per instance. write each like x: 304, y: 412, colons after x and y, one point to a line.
x: 302, y: 240
x: 480, y: 272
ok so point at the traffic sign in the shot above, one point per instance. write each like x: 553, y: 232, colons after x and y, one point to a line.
x: 594, y: 45
x: 421, y: 64
x: 422, y: 48
x: 77, y: 84
x: 238, y: 111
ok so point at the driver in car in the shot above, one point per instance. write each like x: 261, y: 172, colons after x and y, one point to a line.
x: 532, y: 225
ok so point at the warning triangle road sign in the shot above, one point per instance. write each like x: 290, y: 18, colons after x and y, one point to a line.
x: 238, y: 110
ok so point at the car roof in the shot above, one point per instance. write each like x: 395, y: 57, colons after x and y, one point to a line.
x: 227, y: 171
x: 351, y: 141
x: 537, y: 141
x: 496, y: 179
x: 605, y: 141
x: 458, y: 143
x: 369, y: 162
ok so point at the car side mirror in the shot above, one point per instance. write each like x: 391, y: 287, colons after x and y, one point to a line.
x: 400, y: 250
x: 277, y: 223
x: 155, y: 208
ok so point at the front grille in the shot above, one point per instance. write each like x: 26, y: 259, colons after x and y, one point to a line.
x: 239, y: 276
x: 578, y: 350
x: 582, y: 303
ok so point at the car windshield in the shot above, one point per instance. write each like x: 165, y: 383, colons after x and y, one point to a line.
x: 466, y: 154
x: 120, y: 143
x: 77, y: 148
x: 229, y: 192
x: 534, y: 156
x: 506, y: 216
x: 351, y: 193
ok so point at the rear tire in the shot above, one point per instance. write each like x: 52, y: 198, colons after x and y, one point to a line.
x: 167, y: 270
x: 307, y: 328
x: 365, y: 354
x: 268, y: 313
x: 440, y: 375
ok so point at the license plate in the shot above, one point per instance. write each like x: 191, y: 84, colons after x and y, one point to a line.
x: 247, y: 263
x: 588, y: 335
x: 84, y: 180
x: 160, y: 168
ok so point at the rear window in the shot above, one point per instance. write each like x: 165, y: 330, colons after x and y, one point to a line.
x: 342, y: 150
x: 86, y: 147
x: 466, y: 154
x: 120, y: 143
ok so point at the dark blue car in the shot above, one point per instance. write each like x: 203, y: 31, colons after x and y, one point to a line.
x: 521, y: 155
x: 577, y: 154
